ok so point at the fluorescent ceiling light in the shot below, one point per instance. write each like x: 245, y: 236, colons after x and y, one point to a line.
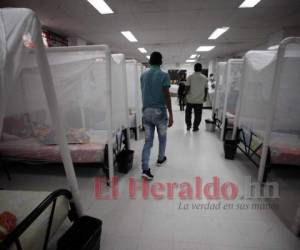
x: 274, y: 47
x: 101, y: 6
x: 148, y: 57
x: 193, y: 56
x: 142, y: 50
x: 129, y: 36
x: 190, y: 61
x: 218, y: 32
x: 205, y: 48
x: 249, y: 3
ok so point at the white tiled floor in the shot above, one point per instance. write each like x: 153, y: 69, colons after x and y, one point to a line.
x: 159, y: 224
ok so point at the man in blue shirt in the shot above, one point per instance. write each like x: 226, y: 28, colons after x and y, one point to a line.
x: 155, y: 86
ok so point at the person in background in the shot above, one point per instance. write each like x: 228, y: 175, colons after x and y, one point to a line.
x: 196, y: 95
x: 156, y: 97
x: 211, y: 88
x: 181, y: 93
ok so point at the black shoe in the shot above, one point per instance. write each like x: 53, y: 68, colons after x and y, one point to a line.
x: 188, y: 128
x: 196, y: 129
x: 160, y: 162
x: 147, y: 174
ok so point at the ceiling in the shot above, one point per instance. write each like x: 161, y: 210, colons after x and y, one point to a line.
x: 174, y: 27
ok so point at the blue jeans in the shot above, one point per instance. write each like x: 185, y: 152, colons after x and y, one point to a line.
x: 154, y: 118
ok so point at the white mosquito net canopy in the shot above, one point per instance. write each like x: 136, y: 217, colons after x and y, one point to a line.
x: 91, y: 87
x: 269, y: 100
x: 257, y: 84
x: 287, y: 108
x: 81, y: 83
x: 220, y: 90
x: 233, y: 83
x: 88, y: 94
x: 28, y: 99
x: 134, y: 71
x: 119, y: 92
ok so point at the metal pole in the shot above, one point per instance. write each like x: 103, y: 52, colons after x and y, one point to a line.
x: 109, y: 116
x: 56, y: 119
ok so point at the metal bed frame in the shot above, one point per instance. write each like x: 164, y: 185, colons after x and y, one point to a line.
x: 121, y: 144
x: 265, y: 164
x: 13, y: 237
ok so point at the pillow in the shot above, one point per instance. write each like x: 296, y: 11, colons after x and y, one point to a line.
x: 8, y: 137
x: 18, y: 125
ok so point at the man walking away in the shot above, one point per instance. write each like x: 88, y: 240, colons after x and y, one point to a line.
x: 196, y: 89
x: 181, y: 93
x: 156, y: 97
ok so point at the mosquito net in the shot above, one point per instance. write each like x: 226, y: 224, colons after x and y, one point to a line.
x: 134, y: 71
x: 119, y: 95
x: 233, y: 80
x: 27, y: 121
x: 221, y: 89
x: 81, y: 81
x: 84, y: 96
x: 258, y: 87
x: 81, y: 84
x: 287, y: 108
x: 18, y: 34
x: 257, y: 84
x: 132, y: 84
x: 29, y: 105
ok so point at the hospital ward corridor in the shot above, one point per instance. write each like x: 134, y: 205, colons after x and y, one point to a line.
x: 167, y: 223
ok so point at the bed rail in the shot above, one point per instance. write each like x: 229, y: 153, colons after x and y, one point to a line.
x: 13, y: 237
x: 252, y: 153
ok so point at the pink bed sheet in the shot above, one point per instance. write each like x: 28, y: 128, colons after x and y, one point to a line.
x: 285, y: 149
x: 31, y: 149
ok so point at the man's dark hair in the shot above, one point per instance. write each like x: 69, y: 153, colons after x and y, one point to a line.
x: 156, y: 58
x: 198, y: 67
x: 211, y: 75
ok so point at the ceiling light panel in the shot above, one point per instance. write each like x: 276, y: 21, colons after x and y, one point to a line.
x: 190, y: 61
x: 101, y: 6
x: 205, y: 48
x: 249, y: 3
x: 142, y: 50
x: 130, y: 37
x: 218, y: 32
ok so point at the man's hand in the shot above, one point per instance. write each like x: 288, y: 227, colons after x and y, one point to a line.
x: 170, y: 124
x: 169, y: 106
